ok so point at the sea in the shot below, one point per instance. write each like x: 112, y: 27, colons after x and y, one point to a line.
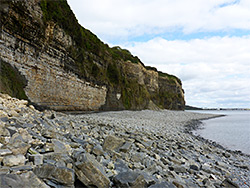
x: 231, y: 131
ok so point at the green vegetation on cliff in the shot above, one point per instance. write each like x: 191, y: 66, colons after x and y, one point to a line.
x: 89, y: 49
x: 60, y: 12
x: 171, y: 78
x: 123, y: 54
x: 11, y: 81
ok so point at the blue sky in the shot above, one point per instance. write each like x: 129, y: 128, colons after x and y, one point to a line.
x: 205, y: 43
x: 177, y: 34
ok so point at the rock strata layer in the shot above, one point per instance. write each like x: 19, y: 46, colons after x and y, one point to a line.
x: 48, y: 58
x: 111, y: 149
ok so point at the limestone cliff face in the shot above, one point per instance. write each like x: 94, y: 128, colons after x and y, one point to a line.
x: 164, y: 90
x: 39, y: 59
x: 68, y: 68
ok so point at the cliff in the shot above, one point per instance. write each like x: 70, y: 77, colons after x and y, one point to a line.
x: 48, y: 58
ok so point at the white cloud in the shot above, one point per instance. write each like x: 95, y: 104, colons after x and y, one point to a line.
x: 119, y: 18
x: 213, y: 69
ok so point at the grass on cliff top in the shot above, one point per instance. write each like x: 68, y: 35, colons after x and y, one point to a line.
x: 171, y: 78
x: 119, y: 53
x: 60, y: 12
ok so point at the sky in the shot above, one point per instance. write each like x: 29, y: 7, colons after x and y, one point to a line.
x: 206, y: 43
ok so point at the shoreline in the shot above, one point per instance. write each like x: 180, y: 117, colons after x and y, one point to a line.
x: 196, y: 124
x: 111, y: 149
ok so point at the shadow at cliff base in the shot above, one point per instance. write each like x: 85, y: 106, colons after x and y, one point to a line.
x: 12, y: 82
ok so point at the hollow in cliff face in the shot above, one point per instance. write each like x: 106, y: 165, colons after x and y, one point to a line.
x: 12, y: 81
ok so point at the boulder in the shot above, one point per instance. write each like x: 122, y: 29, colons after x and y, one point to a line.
x: 27, y: 180
x: 229, y: 184
x: 179, y: 184
x: 163, y: 185
x: 129, y: 179
x: 138, y: 156
x: 5, y: 152
x: 112, y: 143
x: 149, y: 178
x: 14, y: 160
x: 153, y: 169
x: 13, y: 129
x: 121, y: 166
x: 90, y: 172
x: 3, y: 130
x: 13, y: 113
x: 126, y: 147
x: 207, y: 182
x: 61, y: 175
x: 20, y: 142
x: 97, y: 150
x: 19, y: 147
x: 58, y: 157
x: 4, y: 170
x: 17, y: 169
x: 37, y: 159
x: 22, y: 135
x: 178, y: 168
x: 194, y: 167
x: 60, y: 147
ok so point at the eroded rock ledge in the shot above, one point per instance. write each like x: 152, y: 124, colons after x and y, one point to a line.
x: 112, y: 149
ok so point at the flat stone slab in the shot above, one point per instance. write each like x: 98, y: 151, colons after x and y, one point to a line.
x: 5, y: 152
x: 90, y: 172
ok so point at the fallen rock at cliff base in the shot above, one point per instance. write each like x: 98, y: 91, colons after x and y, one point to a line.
x: 98, y: 150
x: 5, y: 152
x: 112, y: 143
x: 14, y: 160
x: 37, y: 159
x: 90, y: 172
x: 163, y: 185
x: 61, y: 175
x: 129, y: 179
x: 27, y: 180
x: 229, y: 184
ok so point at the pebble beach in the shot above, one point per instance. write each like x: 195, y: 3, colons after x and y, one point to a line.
x: 146, y: 148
